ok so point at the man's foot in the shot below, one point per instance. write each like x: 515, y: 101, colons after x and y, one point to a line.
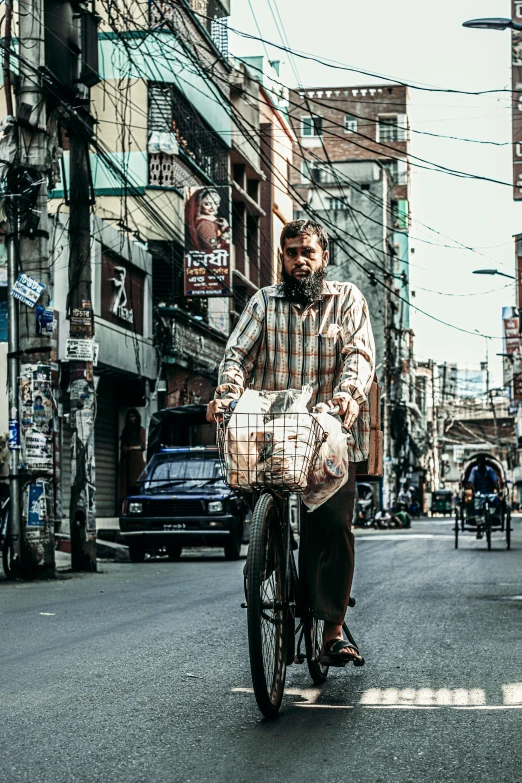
x: 479, y: 532
x: 333, y: 631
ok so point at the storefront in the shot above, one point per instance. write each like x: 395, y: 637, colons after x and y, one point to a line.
x: 126, y: 368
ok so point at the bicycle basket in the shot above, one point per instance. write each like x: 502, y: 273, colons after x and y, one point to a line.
x: 269, y: 450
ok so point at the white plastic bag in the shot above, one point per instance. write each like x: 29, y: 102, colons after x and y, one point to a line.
x: 269, y: 449
x: 330, y: 470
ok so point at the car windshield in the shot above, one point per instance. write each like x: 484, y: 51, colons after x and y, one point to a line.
x: 179, y: 471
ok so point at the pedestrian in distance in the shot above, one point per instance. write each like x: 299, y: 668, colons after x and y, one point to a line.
x: 310, y: 330
x: 132, y: 449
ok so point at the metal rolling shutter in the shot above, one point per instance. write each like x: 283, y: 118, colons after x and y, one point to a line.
x: 66, y: 478
x: 106, y: 451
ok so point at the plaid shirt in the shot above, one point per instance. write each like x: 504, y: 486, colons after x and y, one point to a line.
x: 328, y: 345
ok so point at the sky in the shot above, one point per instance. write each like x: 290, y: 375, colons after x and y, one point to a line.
x: 425, y: 44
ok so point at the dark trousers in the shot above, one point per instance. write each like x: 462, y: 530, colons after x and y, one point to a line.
x: 326, y: 555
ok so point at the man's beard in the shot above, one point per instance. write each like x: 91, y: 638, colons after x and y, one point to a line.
x: 306, y: 290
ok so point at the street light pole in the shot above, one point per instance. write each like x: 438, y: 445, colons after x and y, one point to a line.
x: 493, y: 272
x: 492, y: 23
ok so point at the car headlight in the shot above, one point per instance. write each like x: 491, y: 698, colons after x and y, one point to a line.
x: 215, y: 507
x: 135, y: 508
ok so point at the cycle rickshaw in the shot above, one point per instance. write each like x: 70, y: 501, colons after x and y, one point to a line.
x: 491, y: 511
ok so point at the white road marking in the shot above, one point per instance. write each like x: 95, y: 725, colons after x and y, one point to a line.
x: 401, y: 536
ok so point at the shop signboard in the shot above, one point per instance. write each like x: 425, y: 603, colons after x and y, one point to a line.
x: 516, y: 98
x: 207, y: 241
x: 513, y: 356
x: 81, y: 321
x: 27, y: 290
x: 122, y: 292
x: 196, y: 350
x: 79, y: 350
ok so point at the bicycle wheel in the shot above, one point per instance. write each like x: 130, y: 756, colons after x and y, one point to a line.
x: 457, y: 531
x: 7, y: 548
x: 7, y: 559
x: 313, y: 636
x: 266, y: 611
x: 487, y: 525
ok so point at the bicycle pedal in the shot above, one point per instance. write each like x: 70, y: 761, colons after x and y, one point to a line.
x: 244, y: 605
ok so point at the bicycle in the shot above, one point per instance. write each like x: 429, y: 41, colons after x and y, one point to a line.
x: 6, y: 547
x: 274, y: 593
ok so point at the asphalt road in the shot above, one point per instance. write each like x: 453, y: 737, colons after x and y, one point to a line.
x: 140, y: 673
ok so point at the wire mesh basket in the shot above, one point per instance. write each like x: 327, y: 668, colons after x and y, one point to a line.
x: 268, y: 450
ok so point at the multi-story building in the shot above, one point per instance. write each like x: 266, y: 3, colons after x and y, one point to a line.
x: 174, y: 113
x: 351, y: 170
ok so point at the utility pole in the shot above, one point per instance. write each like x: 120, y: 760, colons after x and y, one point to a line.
x: 82, y: 516
x: 31, y: 398
x: 82, y: 393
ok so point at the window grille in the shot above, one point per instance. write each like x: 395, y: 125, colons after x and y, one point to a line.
x: 350, y: 123
x: 170, y: 111
x: 311, y: 126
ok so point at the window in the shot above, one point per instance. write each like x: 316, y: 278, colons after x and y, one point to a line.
x: 317, y: 172
x: 306, y: 170
x: 398, y: 170
x: 333, y: 203
x: 333, y: 250
x: 392, y: 127
x: 350, y: 123
x: 311, y: 126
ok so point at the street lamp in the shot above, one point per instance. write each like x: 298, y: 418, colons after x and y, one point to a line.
x: 496, y: 23
x: 492, y: 272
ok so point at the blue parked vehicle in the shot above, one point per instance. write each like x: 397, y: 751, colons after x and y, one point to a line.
x: 181, y: 499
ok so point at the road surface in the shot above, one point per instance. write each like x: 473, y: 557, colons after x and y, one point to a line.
x: 140, y: 673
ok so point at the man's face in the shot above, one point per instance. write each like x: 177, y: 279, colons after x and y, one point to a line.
x: 303, y: 256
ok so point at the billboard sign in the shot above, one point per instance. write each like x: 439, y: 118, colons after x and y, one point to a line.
x: 516, y: 98
x: 513, y: 358
x: 207, y: 241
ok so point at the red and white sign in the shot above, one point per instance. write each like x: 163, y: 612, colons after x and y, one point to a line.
x: 516, y: 99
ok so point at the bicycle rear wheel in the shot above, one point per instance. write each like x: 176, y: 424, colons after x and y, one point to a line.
x: 313, y: 636
x: 266, y: 610
x: 487, y: 525
x: 7, y: 559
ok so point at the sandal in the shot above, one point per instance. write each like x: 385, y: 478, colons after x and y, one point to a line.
x: 332, y: 655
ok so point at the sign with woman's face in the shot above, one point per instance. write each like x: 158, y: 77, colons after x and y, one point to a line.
x: 207, y: 241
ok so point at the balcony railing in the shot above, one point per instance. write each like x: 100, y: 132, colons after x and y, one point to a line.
x: 210, y: 13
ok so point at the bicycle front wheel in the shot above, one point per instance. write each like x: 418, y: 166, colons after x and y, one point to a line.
x: 266, y: 609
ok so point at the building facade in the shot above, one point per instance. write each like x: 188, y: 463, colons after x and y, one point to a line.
x: 351, y: 172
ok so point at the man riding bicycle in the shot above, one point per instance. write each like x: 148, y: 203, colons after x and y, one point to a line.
x: 484, y: 481
x: 308, y: 330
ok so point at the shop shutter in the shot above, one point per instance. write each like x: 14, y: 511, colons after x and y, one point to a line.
x: 66, y: 478
x: 106, y: 451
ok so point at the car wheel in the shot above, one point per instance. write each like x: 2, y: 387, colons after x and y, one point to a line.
x: 136, y: 552
x: 174, y: 552
x: 233, y: 545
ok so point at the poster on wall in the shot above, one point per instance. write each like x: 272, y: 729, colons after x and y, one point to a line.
x: 36, y: 411
x: 207, y: 241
